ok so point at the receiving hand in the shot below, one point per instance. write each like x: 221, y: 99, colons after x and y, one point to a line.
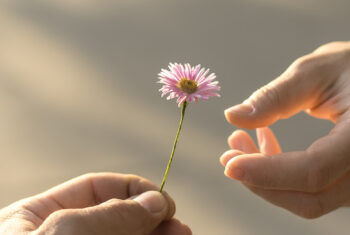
x: 103, y: 203
x: 308, y: 183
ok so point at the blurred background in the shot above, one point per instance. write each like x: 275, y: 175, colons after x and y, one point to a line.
x: 78, y: 94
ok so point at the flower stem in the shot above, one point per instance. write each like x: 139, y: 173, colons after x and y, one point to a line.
x: 183, y: 109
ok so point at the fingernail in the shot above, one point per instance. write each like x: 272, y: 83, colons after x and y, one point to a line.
x: 236, y: 173
x: 152, y: 201
x: 243, y: 108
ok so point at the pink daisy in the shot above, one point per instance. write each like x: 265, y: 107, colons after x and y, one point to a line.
x: 187, y: 83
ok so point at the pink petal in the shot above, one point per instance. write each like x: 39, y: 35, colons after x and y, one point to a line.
x: 170, y: 79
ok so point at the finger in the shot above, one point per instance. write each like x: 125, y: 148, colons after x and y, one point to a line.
x: 242, y: 141
x: 312, y: 170
x: 268, y: 143
x: 297, y: 89
x: 92, y: 189
x: 123, y: 217
x: 309, y: 205
x: 225, y: 157
x: 172, y: 227
x: 89, y: 190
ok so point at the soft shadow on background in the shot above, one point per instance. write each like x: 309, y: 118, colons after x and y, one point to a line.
x: 78, y: 94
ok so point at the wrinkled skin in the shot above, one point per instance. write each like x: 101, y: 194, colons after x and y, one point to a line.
x: 99, y: 203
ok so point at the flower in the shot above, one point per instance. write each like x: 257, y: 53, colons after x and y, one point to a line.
x: 187, y: 83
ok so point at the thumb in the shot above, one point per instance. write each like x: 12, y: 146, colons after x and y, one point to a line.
x: 140, y: 215
x: 285, y: 96
x: 137, y: 216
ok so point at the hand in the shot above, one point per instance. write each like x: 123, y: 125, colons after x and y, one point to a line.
x: 308, y: 183
x: 103, y: 203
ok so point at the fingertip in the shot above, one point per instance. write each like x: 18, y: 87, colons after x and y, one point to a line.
x: 247, y: 115
x: 238, y: 114
x: 153, y: 201
x: 171, y: 205
x: 228, y: 116
x: 267, y: 141
x: 240, y: 109
x: 242, y: 141
x: 236, y: 138
x: 224, y: 159
x: 233, y: 171
x: 228, y: 155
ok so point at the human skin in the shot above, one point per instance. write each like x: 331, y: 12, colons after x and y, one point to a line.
x: 96, y: 203
x: 312, y: 182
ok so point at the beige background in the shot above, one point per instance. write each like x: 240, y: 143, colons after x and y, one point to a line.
x: 78, y: 94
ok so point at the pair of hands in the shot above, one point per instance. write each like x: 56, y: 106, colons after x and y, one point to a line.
x: 308, y: 183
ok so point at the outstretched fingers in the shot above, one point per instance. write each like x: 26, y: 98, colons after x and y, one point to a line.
x: 268, y: 143
x: 241, y: 143
x: 312, y: 170
x: 241, y: 140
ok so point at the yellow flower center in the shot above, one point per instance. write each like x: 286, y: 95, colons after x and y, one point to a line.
x: 188, y: 86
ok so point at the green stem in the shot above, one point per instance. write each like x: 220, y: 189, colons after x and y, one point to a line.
x: 183, y: 108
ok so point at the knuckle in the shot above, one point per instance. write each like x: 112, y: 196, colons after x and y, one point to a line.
x: 89, y: 175
x: 113, y: 201
x: 270, y: 93
x: 133, y: 177
x: 302, y: 65
x: 121, y: 213
x: 316, y: 66
x: 123, y: 209
x: 330, y: 45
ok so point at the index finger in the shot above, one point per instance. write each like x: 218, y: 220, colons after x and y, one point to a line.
x: 89, y: 190
x: 94, y: 188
